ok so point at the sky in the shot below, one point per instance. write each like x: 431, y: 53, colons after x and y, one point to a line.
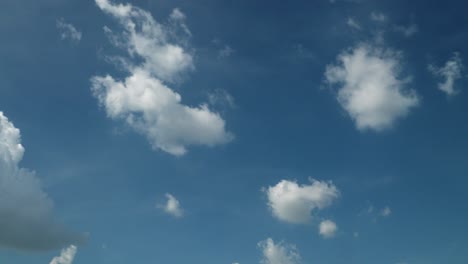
x: 237, y: 132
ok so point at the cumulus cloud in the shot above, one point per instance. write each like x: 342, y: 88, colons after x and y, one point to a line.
x: 68, y: 31
x: 353, y: 23
x: 451, y: 72
x: 370, y: 87
x: 66, y: 256
x: 172, y: 206
x: 26, y: 220
x: 143, y: 100
x: 327, y: 229
x: 279, y: 253
x: 294, y: 203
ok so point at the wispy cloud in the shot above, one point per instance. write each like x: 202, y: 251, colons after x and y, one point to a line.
x: 68, y: 31
x: 450, y: 72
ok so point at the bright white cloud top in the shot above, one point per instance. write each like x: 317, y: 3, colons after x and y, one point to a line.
x: 294, y: 203
x: 143, y: 99
x: 26, y: 220
x: 327, y: 229
x: 370, y: 87
x: 68, y: 31
x: 66, y: 256
x: 450, y: 72
x: 279, y: 253
x: 172, y: 206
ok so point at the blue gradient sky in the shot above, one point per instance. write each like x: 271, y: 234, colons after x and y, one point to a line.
x: 106, y: 180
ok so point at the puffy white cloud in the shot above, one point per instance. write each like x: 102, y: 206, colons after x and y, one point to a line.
x: 143, y: 99
x: 451, y: 72
x: 279, y: 253
x: 172, y: 206
x: 26, y: 220
x: 370, y: 87
x: 66, y: 256
x: 327, y: 229
x: 353, y: 23
x: 294, y: 203
x: 386, y: 211
x: 68, y: 31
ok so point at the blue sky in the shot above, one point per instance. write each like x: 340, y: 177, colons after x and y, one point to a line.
x: 233, y: 132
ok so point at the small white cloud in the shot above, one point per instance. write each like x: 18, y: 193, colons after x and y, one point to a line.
x: 451, y: 72
x: 386, y: 211
x: 66, y: 256
x: 68, y: 31
x: 172, y: 206
x: 353, y: 23
x: 294, y: 203
x: 225, y: 52
x: 327, y: 229
x: 279, y: 253
x: 378, y: 17
x: 356, y: 234
x: 370, y: 87
x: 143, y: 99
x: 407, y: 31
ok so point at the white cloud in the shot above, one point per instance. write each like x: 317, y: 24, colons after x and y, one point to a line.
x: 386, y: 211
x: 66, y: 256
x: 378, y: 17
x: 451, y: 72
x: 407, y: 31
x: 279, y: 253
x: 370, y: 87
x: 68, y: 31
x: 294, y: 203
x: 327, y: 229
x: 143, y: 99
x: 353, y: 23
x: 26, y: 220
x: 172, y: 206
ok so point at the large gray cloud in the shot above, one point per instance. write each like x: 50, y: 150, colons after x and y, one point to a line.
x: 26, y: 211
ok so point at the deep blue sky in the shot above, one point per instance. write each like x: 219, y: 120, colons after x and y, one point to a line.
x: 106, y: 179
